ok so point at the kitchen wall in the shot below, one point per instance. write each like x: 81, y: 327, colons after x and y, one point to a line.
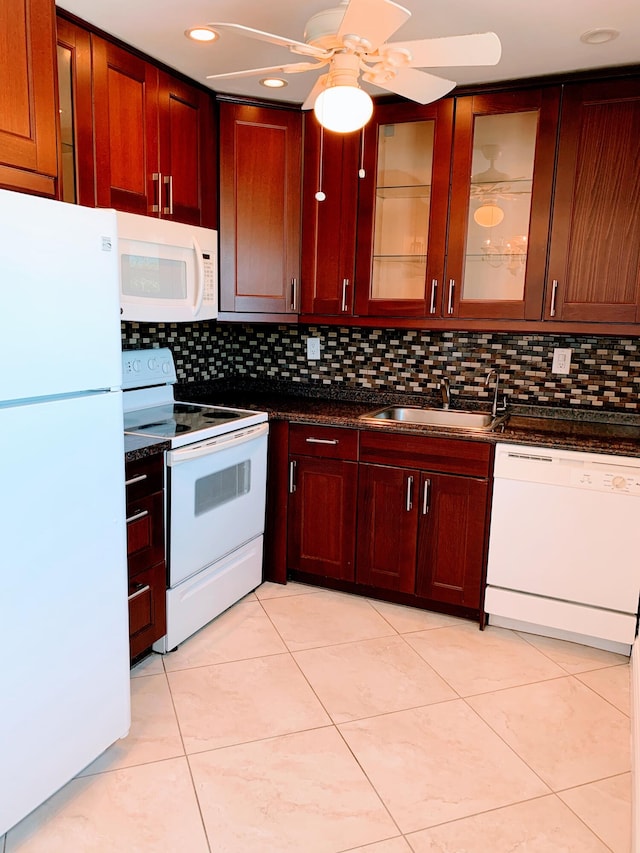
x: 605, y: 372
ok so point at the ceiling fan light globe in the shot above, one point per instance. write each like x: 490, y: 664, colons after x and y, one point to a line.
x: 488, y: 215
x: 343, y: 109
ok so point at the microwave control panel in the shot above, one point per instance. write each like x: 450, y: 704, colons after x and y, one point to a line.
x: 210, y: 283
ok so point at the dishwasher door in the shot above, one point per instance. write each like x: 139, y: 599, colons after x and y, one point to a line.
x: 563, y: 545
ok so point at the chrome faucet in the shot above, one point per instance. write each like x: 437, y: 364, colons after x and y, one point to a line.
x: 444, y: 390
x: 493, y: 374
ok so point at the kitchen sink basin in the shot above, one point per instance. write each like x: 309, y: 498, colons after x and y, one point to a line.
x: 451, y: 418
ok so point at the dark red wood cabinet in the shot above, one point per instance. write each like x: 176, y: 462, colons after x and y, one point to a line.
x: 154, y: 139
x: 331, y: 165
x: 323, y: 479
x: 260, y: 177
x: 422, y: 516
x: 145, y: 552
x: 28, y: 119
x: 594, y: 257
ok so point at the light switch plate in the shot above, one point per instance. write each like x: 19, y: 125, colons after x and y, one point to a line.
x: 561, y: 360
x: 313, y: 349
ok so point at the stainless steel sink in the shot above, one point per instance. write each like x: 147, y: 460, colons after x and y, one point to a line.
x: 450, y: 418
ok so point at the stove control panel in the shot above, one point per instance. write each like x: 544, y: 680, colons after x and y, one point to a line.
x: 143, y: 368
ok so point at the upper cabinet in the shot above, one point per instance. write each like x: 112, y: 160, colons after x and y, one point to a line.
x: 260, y: 175
x: 402, y: 211
x: 28, y: 123
x: 329, y: 211
x: 594, y: 262
x: 153, y: 140
x: 502, y: 181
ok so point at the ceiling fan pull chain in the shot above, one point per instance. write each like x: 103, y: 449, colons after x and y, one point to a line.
x: 361, y: 171
x: 320, y: 196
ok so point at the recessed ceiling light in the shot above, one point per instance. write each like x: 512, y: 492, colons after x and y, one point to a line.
x: 201, y: 34
x: 273, y: 82
x: 599, y: 36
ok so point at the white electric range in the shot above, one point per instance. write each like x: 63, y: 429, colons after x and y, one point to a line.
x: 215, y: 492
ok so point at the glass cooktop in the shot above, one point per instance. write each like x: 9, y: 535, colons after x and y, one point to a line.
x: 172, y: 419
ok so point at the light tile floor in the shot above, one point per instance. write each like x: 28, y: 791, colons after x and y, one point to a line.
x: 307, y: 720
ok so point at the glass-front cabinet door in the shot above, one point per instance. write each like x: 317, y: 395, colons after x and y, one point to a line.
x: 403, y: 209
x: 500, y: 204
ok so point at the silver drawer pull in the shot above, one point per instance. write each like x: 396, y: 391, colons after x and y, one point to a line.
x: 452, y: 285
x: 322, y: 441
x: 409, y: 505
x: 434, y: 290
x: 292, y: 476
x: 554, y: 293
x: 425, y: 497
x: 345, y: 285
x: 137, y: 516
x: 137, y: 479
x: 138, y: 592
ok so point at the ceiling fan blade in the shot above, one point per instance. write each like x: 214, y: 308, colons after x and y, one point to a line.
x: 373, y: 20
x: 320, y: 86
x: 272, y: 38
x: 413, y: 84
x: 293, y: 68
x: 475, y: 49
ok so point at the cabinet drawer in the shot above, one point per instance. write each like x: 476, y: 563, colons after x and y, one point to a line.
x: 144, y: 476
x: 451, y: 456
x: 147, y: 608
x: 145, y: 532
x: 330, y: 442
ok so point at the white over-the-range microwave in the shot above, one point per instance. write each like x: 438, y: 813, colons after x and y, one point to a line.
x: 168, y: 270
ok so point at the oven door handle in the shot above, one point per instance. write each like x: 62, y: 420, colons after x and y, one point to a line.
x: 215, y: 445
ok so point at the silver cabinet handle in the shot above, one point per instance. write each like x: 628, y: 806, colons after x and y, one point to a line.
x: 452, y: 285
x: 434, y: 290
x: 425, y: 497
x: 409, y: 505
x: 292, y: 476
x: 322, y: 441
x: 294, y: 294
x: 554, y: 290
x: 156, y: 177
x: 345, y: 285
x: 137, y: 516
x: 137, y: 479
x: 140, y: 591
x: 168, y: 182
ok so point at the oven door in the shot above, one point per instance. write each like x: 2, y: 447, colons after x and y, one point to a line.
x: 216, y: 493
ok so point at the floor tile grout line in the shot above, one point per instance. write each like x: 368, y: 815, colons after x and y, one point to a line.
x: 597, y: 692
x: 186, y: 755
x: 525, y: 636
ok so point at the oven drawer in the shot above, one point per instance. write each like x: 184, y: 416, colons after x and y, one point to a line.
x: 145, y: 532
x: 147, y: 608
x: 328, y: 442
x: 144, y: 476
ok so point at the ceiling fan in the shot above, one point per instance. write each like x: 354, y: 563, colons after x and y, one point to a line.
x: 352, y: 39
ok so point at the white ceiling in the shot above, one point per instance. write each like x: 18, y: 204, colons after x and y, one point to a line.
x: 538, y: 36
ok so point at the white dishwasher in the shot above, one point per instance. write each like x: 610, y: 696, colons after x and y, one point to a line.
x: 564, y: 545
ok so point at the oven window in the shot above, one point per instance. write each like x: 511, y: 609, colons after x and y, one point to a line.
x: 219, y: 488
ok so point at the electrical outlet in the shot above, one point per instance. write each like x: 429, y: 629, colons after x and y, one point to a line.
x: 313, y: 349
x: 561, y: 361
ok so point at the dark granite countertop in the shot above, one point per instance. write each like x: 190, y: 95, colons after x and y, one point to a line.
x: 141, y: 446
x: 590, y: 430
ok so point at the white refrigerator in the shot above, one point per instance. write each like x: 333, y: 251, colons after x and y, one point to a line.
x: 64, y: 664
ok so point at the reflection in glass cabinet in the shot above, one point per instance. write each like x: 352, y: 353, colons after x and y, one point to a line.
x: 403, y: 191
x: 499, y: 206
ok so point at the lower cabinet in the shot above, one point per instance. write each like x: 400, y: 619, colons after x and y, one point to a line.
x: 145, y: 552
x: 323, y: 481
x: 402, y: 517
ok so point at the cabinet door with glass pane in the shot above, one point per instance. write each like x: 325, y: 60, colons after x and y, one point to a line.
x: 402, y: 213
x: 504, y: 148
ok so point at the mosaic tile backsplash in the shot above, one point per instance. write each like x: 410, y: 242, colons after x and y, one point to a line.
x: 605, y: 372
